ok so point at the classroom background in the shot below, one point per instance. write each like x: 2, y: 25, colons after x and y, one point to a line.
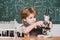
x: 10, y: 13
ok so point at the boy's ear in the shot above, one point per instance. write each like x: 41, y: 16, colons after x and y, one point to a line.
x: 24, y: 19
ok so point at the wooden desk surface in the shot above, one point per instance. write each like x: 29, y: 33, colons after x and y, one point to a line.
x: 31, y: 38
x: 38, y: 38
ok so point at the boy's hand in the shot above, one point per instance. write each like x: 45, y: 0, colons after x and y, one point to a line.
x: 39, y: 23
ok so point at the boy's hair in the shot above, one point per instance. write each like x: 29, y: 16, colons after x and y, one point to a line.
x: 27, y: 11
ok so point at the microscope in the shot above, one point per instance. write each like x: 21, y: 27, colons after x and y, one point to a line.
x: 46, y: 28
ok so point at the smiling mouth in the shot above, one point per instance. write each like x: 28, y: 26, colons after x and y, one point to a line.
x: 33, y: 22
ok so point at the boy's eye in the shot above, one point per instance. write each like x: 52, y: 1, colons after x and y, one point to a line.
x: 30, y: 17
x: 34, y: 17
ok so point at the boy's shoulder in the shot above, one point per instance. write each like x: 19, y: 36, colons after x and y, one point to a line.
x: 25, y: 25
x: 22, y: 25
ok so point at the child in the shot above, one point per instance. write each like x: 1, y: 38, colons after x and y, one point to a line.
x: 30, y: 26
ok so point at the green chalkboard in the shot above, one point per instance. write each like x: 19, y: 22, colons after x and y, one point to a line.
x: 10, y: 9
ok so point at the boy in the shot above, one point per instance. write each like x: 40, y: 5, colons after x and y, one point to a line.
x: 30, y: 27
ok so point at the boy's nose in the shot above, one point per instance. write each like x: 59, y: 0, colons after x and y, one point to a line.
x: 33, y: 19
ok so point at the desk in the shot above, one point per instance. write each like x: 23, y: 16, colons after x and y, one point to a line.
x: 38, y: 38
x: 6, y: 38
x: 31, y: 38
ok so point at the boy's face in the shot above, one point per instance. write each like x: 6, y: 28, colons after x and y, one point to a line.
x: 30, y: 19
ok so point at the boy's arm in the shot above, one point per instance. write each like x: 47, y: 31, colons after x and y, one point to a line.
x: 26, y: 30
x: 43, y: 25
